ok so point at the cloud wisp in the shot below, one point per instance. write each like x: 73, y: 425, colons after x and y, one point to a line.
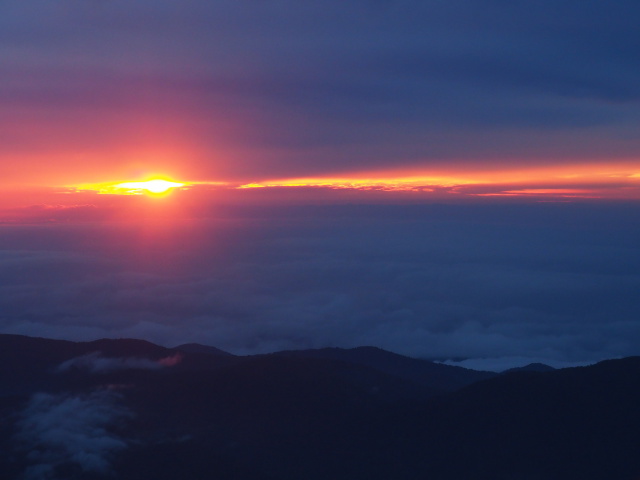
x: 95, y: 362
x: 60, y: 431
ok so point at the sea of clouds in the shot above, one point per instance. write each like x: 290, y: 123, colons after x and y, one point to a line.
x: 487, y: 286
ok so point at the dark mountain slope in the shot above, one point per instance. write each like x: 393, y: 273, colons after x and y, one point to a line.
x: 290, y: 416
x: 198, y: 348
x: 532, y: 367
x: 28, y: 364
x: 125, y: 347
x: 576, y: 423
x: 294, y: 418
x: 436, y: 376
x: 25, y: 362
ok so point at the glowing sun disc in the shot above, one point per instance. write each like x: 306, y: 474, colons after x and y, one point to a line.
x: 153, y: 186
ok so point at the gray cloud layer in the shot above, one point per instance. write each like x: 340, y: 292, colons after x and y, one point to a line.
x: 554, y: 282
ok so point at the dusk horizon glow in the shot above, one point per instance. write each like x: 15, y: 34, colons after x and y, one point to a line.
x: 607, y: 182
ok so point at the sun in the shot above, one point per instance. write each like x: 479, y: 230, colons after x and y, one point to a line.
x: 152, y: 186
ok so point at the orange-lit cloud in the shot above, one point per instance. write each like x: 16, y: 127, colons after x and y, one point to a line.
x: 589, y: 181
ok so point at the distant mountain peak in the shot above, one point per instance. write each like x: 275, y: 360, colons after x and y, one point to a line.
x: 532, y: 367
x: 199, y: 348
x: 422, y: 372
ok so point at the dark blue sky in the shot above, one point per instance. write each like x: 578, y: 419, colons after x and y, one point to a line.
x: 252, y: 90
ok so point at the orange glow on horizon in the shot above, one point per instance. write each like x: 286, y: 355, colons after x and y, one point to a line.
x: 556, y: 192
x: 566, y: 180
x: 585, y: 182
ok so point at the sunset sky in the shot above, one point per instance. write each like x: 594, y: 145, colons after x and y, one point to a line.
x: 450, y: 179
